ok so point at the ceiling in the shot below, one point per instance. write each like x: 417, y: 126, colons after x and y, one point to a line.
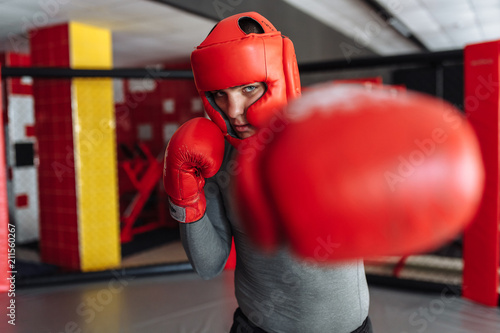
x: 438, y: 24
x: 150, y: 32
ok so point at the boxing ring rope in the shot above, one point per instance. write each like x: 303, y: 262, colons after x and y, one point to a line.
x: 427, y: 272
x: 51, y: 72
x: 372, y: 62
x: 155, y: 73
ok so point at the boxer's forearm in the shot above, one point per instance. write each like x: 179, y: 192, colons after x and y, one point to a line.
x: 207, y: 242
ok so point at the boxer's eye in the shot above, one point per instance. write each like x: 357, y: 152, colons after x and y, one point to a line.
x: 218, y: 93
x: 248, y: 89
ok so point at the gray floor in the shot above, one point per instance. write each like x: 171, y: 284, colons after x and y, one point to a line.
x: 185, y: 303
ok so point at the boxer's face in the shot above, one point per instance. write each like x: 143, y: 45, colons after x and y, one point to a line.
x: 235, y: 101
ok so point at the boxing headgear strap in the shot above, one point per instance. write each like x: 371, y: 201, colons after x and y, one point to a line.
x: 229, y: 57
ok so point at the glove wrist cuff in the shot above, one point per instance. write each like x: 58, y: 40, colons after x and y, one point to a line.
x: 187, y: 212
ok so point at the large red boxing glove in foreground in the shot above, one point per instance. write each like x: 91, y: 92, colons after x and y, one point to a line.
x: 194, y: 152
x: 351, y: 172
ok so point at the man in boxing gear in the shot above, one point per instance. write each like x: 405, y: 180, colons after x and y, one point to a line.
x: 245, y: 71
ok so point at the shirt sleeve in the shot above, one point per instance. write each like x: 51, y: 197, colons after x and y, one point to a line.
x: 207, y: 242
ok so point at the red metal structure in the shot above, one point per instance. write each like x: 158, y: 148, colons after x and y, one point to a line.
x: 144, y: 172
x: 482, y: 106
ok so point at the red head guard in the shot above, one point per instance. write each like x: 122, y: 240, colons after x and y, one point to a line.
x: 229, y: 57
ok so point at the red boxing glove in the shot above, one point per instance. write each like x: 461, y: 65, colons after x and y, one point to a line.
x: 354, y: 173
x: 194, y: 152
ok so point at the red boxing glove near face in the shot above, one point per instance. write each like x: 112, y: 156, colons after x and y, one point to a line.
x: 358, y: 173
x: 195, y: 152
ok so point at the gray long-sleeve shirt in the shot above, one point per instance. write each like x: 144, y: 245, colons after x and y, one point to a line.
x: 279, y: 292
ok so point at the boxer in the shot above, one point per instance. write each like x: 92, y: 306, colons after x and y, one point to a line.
x: 306, y: 186
x: 246, y: 72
